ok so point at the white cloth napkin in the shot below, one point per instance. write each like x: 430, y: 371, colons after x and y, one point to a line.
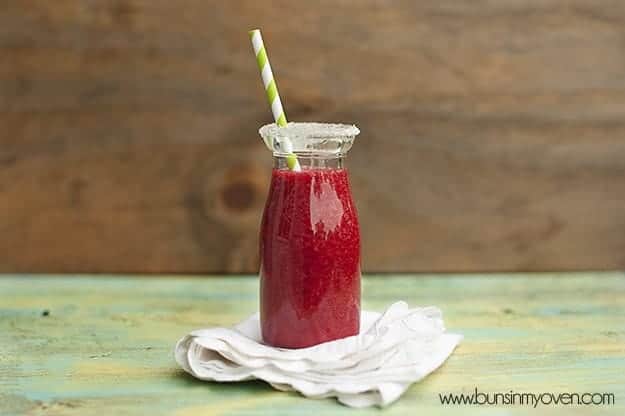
x: 392, y: 351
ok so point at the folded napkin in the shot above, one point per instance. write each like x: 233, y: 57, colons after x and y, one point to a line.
x: 392, y: 351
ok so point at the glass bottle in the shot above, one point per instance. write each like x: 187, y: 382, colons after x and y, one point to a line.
x: 309, y: 238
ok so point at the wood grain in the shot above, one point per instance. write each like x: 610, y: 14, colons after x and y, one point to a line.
x: 492, y: 132
x: 105, y: 345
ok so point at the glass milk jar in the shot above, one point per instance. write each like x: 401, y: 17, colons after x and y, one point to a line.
x: 309, y: 238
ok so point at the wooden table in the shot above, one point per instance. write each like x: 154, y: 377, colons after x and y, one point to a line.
x: 102, y: 345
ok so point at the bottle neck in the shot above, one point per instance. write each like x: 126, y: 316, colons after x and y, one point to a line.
x: 311, y: 162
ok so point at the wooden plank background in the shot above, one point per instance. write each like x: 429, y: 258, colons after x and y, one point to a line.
x: 493, y: 132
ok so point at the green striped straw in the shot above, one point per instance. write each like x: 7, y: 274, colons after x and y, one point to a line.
x: 272, y: 94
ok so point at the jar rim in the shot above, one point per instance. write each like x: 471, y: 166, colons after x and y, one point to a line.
x: 309, y: 131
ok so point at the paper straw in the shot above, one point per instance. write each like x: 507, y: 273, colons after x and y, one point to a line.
x: 272, y: 94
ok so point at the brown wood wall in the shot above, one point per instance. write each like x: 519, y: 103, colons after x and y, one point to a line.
x: 493, y: 132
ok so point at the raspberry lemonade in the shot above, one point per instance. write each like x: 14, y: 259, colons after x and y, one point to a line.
x: 309, y: 238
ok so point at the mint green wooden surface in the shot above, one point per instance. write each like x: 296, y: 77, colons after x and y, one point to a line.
x: 106, y: 346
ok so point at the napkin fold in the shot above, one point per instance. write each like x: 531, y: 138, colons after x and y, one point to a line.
x: 393, y: 350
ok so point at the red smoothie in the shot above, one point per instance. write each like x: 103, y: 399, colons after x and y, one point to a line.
x: 310, y: 259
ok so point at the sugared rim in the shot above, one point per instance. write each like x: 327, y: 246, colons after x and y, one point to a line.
x: 313, y: 131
